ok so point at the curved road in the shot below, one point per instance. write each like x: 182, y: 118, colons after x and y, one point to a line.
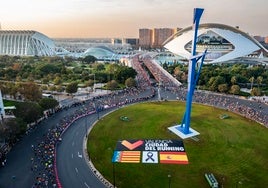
x: 17, y: 171
x: 71, y: 163
x: 72, y: 167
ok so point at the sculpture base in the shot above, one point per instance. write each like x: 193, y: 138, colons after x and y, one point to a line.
x: 178, y: 130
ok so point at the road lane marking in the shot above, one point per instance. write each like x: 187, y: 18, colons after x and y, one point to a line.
x: 76, y: 170
x: 79, y: 155
x: 72, y: 155
x: 87, y: 185
x: 72, y: 143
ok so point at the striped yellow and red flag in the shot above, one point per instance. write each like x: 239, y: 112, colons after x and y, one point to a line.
x: 173, y: 158
x: 130, y: 157
x: 127, y: 156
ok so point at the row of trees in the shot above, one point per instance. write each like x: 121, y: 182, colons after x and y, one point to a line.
x: 25, y: 78
x: 58, y: 70
x: 25, y: 113
x: 28, y: 91
x: 226, y: 78
x: 59, y: 74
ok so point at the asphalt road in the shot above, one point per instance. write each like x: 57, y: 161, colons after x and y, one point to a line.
x: 17, y: 172
x: 71, y: 163
x: 72, y: 166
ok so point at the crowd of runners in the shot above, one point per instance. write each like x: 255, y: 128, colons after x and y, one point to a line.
x: 254, y: 110
x: 251, y: 109
x: 43, y: 160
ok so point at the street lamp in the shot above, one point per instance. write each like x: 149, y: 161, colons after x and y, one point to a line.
x: 93, y: 81
x: 97, y: 109
x: 169, y: 180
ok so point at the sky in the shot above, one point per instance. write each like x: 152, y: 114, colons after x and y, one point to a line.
x: 124, y: 18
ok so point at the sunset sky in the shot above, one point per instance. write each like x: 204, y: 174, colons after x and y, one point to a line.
x: 123, y: 18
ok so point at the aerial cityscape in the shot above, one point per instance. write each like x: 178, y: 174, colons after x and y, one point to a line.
x: 120, y: 93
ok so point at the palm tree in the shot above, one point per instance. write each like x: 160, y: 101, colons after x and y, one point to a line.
x: 251, y: 80
x: 259, y: 80
x: 233, y: 80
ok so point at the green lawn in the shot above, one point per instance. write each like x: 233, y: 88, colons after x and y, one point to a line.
x: 10, y: 103
x: 234, y: 149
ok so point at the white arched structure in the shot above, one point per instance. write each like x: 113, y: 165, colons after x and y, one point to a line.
x: 232, y: 43
x: 25, y: 43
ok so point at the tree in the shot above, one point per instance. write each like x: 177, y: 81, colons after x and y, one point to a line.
x: 259, y: 80
x: 47, y: 68
x: 59, y: 88
x: 235, y: 89
x: 251, y: 81
x: 30, y: 91
x: 214, y: 82
x: 10, y: 74
x: 4, y: 131
x: 89, y: 59
x: 57, y: 80
x: 72, y: 88
x: 90, y: 82
x: 179, y: 74
x: 14, y: 90
x: 48, y: 103
x: 165, y: 65
x: 44, y: 87
x: 233, y: 80
x: 100, y: 67
x: 78, y: 70
x: 223, y: 88
x: 9, y: 130
x: 112, y: 68
x: 112, y: 85
x: 255, y: 91
x: 17, y: 66
x: 123, y: 73
x: 130, y: 82
x: 28, y: 111
x: 15, y: 127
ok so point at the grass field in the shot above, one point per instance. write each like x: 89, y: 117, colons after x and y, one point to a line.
x: 233, y: 149
x: 9, y: 103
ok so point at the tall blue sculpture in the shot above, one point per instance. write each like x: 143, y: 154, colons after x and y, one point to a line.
x: 184, y: 130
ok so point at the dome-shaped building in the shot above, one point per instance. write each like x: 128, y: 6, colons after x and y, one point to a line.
x: 223, y: 43
x: 25, y: 43
x: 100, y: 52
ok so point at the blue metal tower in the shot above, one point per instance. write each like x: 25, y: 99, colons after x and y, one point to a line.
x: 184, y: 129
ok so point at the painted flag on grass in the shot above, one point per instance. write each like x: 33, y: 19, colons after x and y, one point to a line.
x: 173, y: 158
x: 126, y: 157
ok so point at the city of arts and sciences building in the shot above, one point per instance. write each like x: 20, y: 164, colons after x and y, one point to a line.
x: 25, y: 43
x: 224, y: 44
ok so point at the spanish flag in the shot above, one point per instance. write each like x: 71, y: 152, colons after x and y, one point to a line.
x: 173, y: 158
x: 126, y: 156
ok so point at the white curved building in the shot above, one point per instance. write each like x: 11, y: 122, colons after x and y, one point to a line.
x: 223, y: 43
x: 25, y: 43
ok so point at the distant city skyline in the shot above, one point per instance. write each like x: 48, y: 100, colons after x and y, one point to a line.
x: 124, y: 18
